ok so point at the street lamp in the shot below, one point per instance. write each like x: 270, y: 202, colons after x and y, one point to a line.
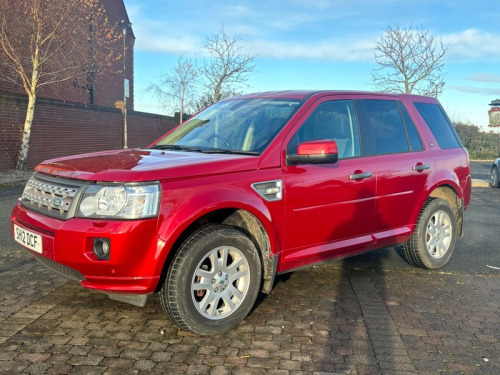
x: 126, y: 26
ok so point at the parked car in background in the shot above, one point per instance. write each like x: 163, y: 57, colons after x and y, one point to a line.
x: 252, y: 187
x: 494, y: 179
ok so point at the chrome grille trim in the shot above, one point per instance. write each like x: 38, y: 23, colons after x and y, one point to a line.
x: 269, y: 190
x: 51, y: 196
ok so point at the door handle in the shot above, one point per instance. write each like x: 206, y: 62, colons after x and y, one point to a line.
x: 359, y: 176
x: 421, y: 167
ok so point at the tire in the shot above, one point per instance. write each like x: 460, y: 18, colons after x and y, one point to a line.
x: 432, y: 243
x: 494, y: 182
x: 213, y: 280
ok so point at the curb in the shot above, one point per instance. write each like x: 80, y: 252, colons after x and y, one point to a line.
x: 480, y: 183
x: 13, y: 181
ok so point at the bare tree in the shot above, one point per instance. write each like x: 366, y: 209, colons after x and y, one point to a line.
x: 410, y: 60
x: 44, y: 42
x: 177, y: 86
x: 202, y: 101
x: 228, y: 67
x: 207, y: 99
x: 224, y: 73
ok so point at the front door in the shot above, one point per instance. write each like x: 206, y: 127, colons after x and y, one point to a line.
x: 329, y: 208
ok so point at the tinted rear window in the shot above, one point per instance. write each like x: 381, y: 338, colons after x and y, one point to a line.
x: 439, y: 125
x: 388, y: 129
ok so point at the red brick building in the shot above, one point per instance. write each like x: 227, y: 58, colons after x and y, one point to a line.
x: 108, y: 87
x: 81, y: 115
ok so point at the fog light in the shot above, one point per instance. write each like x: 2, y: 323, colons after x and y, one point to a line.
x: 102, y: 248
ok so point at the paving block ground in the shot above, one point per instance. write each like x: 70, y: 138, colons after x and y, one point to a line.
x: 328, y: 319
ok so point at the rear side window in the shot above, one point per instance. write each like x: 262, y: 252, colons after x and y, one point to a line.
x: 389, y: 133
x: 439, y: 125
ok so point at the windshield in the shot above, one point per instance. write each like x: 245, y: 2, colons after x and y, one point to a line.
x: 236, y: 126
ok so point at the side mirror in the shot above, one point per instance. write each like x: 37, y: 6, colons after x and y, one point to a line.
x: 316, y: 152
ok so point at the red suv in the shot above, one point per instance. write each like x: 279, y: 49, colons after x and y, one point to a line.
x: 252, y: 187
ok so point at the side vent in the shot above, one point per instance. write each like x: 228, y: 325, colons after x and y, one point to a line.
x: 269, y: 190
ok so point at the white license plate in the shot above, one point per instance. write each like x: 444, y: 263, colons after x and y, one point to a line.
x: 28, y: 239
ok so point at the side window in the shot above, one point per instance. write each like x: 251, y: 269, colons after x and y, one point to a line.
x: 439, y: 125
x: 335, y: 120
x: 415, y: 141
x: 388, y: 129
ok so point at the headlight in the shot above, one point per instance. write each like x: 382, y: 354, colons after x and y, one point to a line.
x: 120, y: 201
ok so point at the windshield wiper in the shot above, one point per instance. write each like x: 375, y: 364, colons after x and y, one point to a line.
x: 227, y: 151
x: 177, y: 147
x: 204, y: 150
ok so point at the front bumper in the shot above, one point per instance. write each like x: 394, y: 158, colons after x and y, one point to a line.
x: 67, y: 248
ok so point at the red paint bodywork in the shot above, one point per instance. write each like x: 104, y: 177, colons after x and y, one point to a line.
x: 317, y: 147
x: 323, y: 213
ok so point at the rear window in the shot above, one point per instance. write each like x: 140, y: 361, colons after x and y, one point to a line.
x: 438, y: 123
x: 388, y: 129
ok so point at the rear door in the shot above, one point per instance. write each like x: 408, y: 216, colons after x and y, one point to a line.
x: 404, y: 168
x: 329, y: 208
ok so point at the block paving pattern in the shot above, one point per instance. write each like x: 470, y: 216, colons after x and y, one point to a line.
x: 328, y: 319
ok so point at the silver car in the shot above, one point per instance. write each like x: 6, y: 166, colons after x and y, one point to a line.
x: 494, y: 182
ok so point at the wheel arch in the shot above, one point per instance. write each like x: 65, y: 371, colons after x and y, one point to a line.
x: 449, y: 194
x: 254, y: 229
x: 247, y: 223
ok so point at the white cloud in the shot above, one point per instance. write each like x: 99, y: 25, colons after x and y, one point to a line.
x: 325, y: 50
x: 468, y: 45
x: 153, y: 36
x: 473, y: 44
x: 477, y: 90
x: 293, y: 29
x: 484, y: 78
x: 185, y: 45
x: 236, y: 10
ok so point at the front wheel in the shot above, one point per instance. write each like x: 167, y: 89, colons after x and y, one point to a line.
x: 213, y: 280
x: 494, y: 182
x: 433, y: 241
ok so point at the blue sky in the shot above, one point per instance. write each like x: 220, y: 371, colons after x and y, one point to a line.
x: 322, y: 44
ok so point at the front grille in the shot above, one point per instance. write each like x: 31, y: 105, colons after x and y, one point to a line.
x: 52, y: 196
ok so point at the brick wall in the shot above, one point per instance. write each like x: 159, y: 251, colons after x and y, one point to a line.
x: 109, y: 86
x: 61, y: 128
x: 65, y: 123
x: 109, y: 83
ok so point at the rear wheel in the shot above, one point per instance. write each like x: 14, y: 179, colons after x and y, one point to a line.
x: 494, y: 182
x: 433, y: 241
x: 213, y: 281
